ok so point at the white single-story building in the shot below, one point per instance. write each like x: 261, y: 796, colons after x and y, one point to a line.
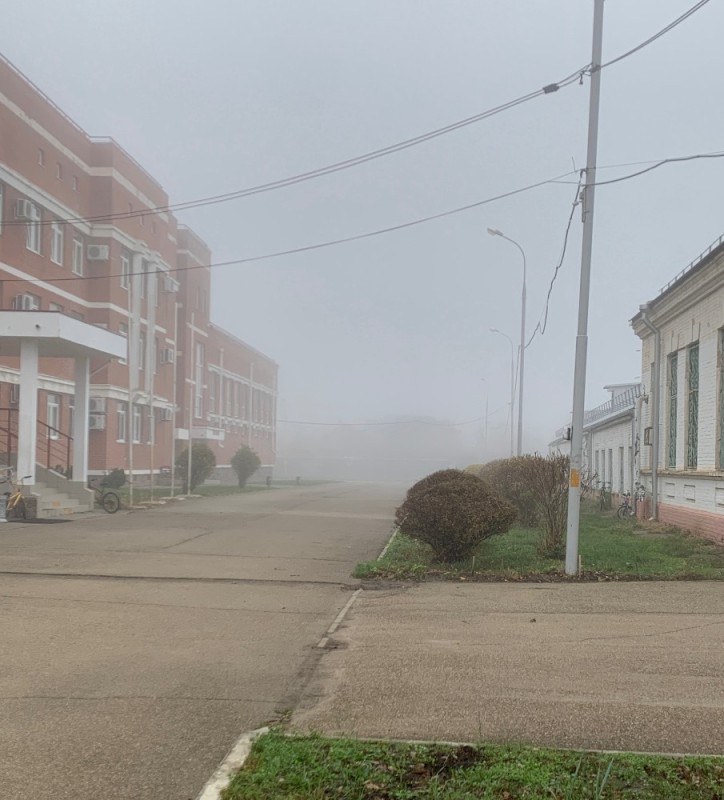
x: 611, y: 439
x: 682, y: 349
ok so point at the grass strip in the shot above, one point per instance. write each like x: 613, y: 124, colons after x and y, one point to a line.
x: 611, y: 549
x: 316, y: 768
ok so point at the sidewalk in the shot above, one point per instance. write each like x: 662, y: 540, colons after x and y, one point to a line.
x: 630, y: 666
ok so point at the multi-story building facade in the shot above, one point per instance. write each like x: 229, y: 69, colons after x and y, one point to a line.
x: 682, y: 350
x: 86, y: 232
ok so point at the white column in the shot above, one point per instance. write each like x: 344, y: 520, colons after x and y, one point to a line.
x: 28, y: 411
x: 80, y: 419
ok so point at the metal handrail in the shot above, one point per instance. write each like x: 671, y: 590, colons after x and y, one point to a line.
x: 713, y: 246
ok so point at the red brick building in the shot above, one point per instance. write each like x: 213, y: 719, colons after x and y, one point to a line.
x: 84, y: 233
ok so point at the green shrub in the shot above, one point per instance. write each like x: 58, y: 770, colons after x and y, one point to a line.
x: 439, y: 477
x: 509, y: 478
x: 547, y: 483
x: 114, y: 479
x: 203, y: 462
x: 454, y: 516
x: 245, y: 462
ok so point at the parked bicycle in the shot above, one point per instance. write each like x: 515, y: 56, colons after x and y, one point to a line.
x: 14, y: 500
x: 604, y: 497
x: 108, y: 499
x: 626, y: 508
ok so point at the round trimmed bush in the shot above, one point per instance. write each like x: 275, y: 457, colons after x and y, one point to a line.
x: 440, y: 477
x: 454, y: 516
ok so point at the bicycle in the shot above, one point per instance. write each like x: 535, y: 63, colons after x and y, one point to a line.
x: 626, y: 509
x: 107, y: 499
x: 604, y: 497
x: 14, y: 500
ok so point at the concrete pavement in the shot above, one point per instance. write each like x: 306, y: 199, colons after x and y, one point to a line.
x: 629, y: 666
x: 136, y: 648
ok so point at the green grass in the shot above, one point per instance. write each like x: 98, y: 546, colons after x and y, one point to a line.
x: 611, y: 549
x: 315, y: 768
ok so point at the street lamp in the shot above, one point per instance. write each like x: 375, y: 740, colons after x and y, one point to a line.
x: 496, y: 232
x: 512, y: 382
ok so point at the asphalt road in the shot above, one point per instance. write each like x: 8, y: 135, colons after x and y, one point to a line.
x: 136, y: 648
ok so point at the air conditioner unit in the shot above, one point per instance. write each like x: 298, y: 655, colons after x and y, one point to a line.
x: 168, y: 355
x: 98, y: 252
x: 97, y: 422
x: 24, y: 209
x: 169, y: 285
x: 97, y: 405
x: 166, y: 414
x: 26, y: 302
x: 14, y: 394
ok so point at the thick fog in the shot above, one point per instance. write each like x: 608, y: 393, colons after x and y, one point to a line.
x: 218, y: 96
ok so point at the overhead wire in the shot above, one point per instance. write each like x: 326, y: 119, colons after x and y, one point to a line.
x: 326, y: 170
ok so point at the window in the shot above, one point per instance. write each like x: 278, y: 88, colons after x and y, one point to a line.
x: 141, y: 350
x: 56, y: 243
x: 41, y: 157
x: 77, y: 255
x: 71, y: 414
x: 75, y: 183
x: 123, y: 330
x: 77, y: 315
x: 34, y: 232
x: 121, y: 422
x: 59, y: 171
x: 53, y: 416
x: 199, y: 381
x: 721, y: 399
x: 692, y: 424
x: 137, y: 424
x: 213, y: 378
x: 2, y: 203
x: 673, y: 411
x: 55, y: 307
x: 142, y: 279
x: 125, y: 270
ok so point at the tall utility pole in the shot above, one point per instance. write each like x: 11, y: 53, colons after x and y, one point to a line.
x: 579, y: 379
x: 512, y: 386
x: 191, y: 361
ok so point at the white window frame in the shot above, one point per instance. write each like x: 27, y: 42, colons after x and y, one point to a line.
x: 58, y: 171
x: 57, y: 243
x: 53, y: 416
x: 77, y: 255
x: 123, y: 331
x: 137, y: 423
x: 34, y: 234
x: 125, y: 271
x: 55, y: 307
x: 121, y: 421
x: 141, y: 350
x: 199, y: 380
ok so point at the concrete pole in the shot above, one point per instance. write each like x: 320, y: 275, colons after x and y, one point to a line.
x: 80, y: 419
x: 191, y: 360
x: 579, y: 379
x: 512, y: 386
x: 28, y: 410
x: 174, y: 391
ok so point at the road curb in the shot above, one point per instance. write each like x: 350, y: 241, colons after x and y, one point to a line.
x: 233, y: 762
x: 388, y: 545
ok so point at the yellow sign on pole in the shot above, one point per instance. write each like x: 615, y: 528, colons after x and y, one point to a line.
x: 575, y: 478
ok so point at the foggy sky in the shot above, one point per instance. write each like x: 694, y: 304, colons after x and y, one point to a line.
x: 222, y: 95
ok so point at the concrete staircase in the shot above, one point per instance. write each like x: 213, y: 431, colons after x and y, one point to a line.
x: 59, y: 497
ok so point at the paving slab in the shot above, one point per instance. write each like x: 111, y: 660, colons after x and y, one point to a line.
x: 614, y: 666
x: 137, y: 648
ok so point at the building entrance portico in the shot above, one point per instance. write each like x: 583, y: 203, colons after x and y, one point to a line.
x: 31, y: 335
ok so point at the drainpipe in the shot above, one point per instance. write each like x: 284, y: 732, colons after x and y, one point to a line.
x: 655, y: 393
x: 636, y: 442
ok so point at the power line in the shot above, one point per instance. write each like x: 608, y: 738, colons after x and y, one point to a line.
x: 541, y: 326
x: 377, y: 232
x: 657, y: 35
x: 550, y: 88
x: 310, y: 247
x: 330, y: 168
x: 434, y: 423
